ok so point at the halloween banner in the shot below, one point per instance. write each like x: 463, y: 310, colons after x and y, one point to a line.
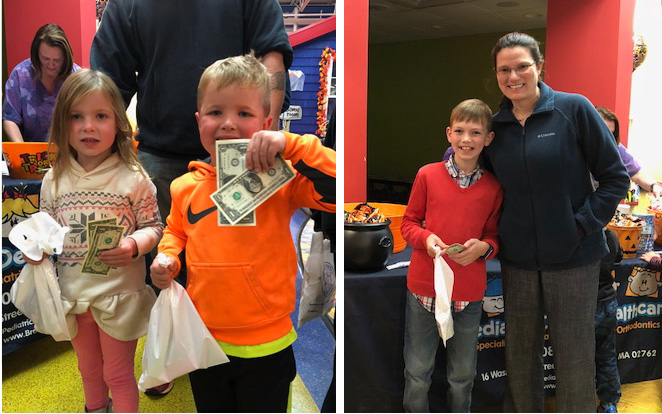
x: 639, y: 335
x: 19, y: 202
x: 638, y: 339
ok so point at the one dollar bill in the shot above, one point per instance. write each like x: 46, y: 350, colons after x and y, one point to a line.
x: 248, y: 190
x: 230, y: 162
x: 106, y: 237
x: 455, y: 248
x: 93, y: 224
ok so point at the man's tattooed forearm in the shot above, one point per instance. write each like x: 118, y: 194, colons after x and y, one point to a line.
x: 278, y: 81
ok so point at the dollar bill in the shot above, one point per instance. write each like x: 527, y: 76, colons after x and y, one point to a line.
x: 106, y: 237
x: 245, y: 192
x: 455, y: 248
x: 230, y: 162
x: 93, y: 224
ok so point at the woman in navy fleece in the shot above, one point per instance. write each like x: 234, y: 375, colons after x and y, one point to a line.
x: 546, y: 146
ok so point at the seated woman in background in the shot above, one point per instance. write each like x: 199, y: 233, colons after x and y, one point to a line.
x: 33, y: 85
x: 637, y: 175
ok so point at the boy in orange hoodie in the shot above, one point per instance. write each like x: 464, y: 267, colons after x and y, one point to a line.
x: 241, y: 278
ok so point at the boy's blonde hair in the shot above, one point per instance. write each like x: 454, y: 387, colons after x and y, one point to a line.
x: 245, y: 71
x: 76, y: 87
x: 473, y: 110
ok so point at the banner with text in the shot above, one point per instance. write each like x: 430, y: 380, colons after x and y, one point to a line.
x: 19, y: 201
x: 638, y: 339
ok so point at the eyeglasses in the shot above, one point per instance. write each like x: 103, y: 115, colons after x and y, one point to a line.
x: 519, y: 69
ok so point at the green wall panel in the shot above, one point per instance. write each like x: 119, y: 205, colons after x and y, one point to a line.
x: 412, y: 88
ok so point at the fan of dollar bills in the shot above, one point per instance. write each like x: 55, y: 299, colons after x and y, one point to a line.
x: 240, y: 190
x: 102, y: 235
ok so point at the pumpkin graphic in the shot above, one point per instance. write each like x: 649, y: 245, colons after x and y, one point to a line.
x: 628, y: 238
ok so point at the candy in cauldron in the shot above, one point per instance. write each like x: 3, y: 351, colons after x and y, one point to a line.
x: 368, y: 246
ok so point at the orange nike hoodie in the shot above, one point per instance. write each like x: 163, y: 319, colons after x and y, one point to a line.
x: 241, y: 278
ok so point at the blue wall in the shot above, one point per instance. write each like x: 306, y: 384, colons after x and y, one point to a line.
x: 307, y: 58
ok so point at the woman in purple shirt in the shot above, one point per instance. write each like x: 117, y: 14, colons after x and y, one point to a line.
x: 637, y: 175
x: 33, y: 85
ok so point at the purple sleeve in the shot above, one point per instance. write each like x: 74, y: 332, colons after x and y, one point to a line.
x: 12, y: 106
x: 631, y: 165
x: 448, y: 153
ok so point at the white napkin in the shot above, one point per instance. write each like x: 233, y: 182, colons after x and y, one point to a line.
x: 37, y: 235
x: 443, y: 287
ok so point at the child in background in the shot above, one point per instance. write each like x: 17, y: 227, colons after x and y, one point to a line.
x: 460, y: 203
x: 96, y: 175
x: 241, y: 278
x: 608, y: 382
x: 636, y: 173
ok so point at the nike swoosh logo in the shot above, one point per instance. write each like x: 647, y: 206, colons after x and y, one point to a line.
x: 194, y: 218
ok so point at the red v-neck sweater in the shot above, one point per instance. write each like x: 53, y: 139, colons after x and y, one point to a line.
x: 455, y: 215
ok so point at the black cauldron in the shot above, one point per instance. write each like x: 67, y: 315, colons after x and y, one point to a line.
x: 367, y: 246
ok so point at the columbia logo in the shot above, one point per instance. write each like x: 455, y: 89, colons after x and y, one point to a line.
x: 549, y: 134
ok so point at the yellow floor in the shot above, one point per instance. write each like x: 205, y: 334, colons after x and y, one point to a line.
x: 640, y: 397
x: 42, y: 378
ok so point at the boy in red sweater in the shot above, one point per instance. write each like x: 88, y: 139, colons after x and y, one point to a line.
x: 459, y: 202
x: 241, y: 278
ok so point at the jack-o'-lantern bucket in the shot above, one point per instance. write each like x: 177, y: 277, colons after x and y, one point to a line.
x: 628, y: 238
x: 658, y: 224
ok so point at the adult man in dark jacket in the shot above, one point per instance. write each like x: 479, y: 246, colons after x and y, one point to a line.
x: 158, y: 49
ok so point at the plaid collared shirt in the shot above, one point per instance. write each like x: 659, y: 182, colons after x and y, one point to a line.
x: 463, y: 180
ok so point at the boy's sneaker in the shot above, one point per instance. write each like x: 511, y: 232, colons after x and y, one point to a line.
x: 160, y: 390
x: 607, y: 408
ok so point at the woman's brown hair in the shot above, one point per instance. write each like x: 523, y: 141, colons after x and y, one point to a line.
x: 53, y: 35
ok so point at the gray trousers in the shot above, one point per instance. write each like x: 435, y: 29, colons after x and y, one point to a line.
x: 568, y: 298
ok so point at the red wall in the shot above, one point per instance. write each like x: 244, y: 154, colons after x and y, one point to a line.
x: 312, y: 31
x: 589, y: 51
x: 356, y: 101
x: 22, y: 18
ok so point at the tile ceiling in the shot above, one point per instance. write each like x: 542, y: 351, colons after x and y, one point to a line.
x: 406, y: 20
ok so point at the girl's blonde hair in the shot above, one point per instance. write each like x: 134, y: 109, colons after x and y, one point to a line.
x: 245, y: 71
x: 76, y: 87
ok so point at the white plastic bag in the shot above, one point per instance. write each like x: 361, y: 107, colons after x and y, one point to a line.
x: 443, y: 287
x: 297, y: 79
x: 178, y: 342
x: 318, y: 288
x: 36, y: 292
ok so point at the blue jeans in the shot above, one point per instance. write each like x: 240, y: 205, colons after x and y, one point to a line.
x: 608, y: 381
x: 420, y: 348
